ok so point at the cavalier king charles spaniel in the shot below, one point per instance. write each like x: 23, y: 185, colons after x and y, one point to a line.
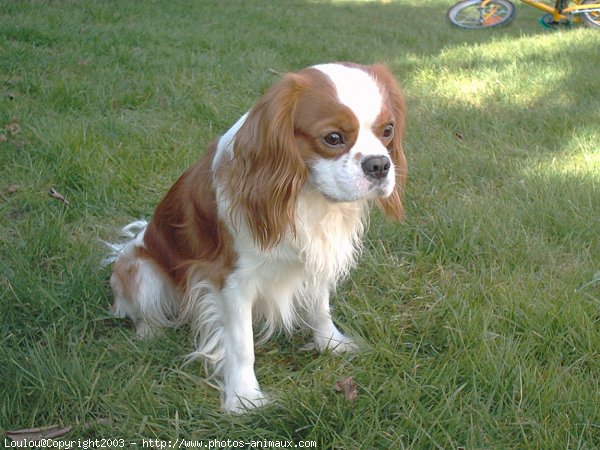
x: 268, y: 221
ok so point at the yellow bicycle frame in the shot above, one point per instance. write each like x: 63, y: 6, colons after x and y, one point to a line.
x: 562, y: 15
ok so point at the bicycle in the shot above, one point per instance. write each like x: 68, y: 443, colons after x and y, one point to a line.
x: 474, y: 14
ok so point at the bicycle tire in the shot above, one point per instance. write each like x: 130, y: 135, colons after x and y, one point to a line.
x: 468, y: 14
x: 591, y: 19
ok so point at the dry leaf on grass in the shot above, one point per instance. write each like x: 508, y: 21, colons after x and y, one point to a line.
x: 348, y: 387
x: 32, y: 434
x: 11, y: 189
x: 49, y: 432
x: 13, y: 128
x: 57, y: 195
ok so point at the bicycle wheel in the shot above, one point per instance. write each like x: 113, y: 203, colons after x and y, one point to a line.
x: 592, y: 18
x: 475, y: 14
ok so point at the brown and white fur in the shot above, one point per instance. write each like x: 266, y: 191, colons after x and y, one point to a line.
x: 266, y: 223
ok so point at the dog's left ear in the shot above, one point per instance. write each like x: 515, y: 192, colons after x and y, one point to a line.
x: 392, y: 206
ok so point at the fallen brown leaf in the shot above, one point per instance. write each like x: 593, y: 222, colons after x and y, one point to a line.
x: 11, y: 188
x: 50, y: 432
x: 57, y: 195
x: 32, y: 434
x: 13, y: 128
x: 3, y: 138
x: 348, y: 387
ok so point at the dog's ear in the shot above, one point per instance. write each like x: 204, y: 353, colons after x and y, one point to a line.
x: 267, y: 171
x: 392, y: 205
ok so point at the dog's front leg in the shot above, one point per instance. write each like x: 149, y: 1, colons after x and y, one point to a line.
x: 240, y: 386
x: 325, y: 334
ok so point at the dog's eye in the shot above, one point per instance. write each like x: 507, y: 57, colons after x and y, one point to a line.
x: 388, y: 131
x: 334, y: 139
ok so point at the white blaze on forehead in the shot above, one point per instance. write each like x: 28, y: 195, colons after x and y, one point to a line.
x: 356, y: 89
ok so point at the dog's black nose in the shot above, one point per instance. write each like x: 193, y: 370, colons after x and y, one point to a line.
x: 376, y: 166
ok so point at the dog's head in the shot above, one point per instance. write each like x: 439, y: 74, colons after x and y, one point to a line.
x: 334, y: 128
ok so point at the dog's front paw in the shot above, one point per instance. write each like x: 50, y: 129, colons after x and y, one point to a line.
x: 336, y: 342
x: 239, y: 403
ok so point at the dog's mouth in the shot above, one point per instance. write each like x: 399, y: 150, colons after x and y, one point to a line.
x: 380, y: 188
x: 374, y: 190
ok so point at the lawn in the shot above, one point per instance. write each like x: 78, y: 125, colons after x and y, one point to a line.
x: 480, y: 313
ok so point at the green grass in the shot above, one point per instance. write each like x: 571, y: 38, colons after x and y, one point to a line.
x: 480, y: 313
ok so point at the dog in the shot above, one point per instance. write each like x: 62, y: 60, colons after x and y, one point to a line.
x: 268, y: 221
